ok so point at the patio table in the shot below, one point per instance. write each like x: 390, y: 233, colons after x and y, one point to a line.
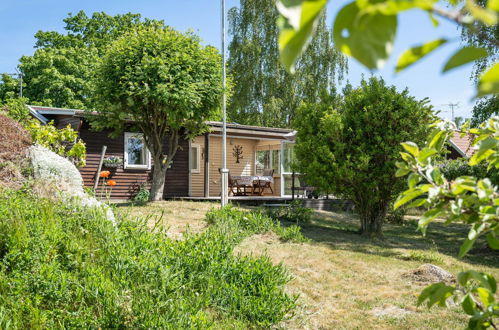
x: 247, y: 180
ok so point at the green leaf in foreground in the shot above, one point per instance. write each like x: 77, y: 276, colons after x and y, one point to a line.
x: 489, y: 81
x: 414, y: 54
x: 368, y: 38
x: 463, y: 56
x: 297, y: 23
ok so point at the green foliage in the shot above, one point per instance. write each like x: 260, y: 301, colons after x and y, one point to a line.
x: 64, y: 142
x: 366, y: 30
x: 351, y: 150
x: 142, y: 195
x: 459, y: 197
x: 264, y: 93
x: 293, y: 212
x: 452, y: 169
x: 246, y: 223
x: 17, y: 110
x: 167, y: 97
x: 484, y: 109
x: 62, y: 266
x: 9, y: 88
x: 59, y: 72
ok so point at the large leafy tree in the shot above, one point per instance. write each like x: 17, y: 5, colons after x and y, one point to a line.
x: 264, y: 93
x: 350, y: 149
x: 166, y: 84
x: 59, y: 73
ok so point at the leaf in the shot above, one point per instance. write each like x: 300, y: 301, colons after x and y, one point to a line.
x: 406, y: 197
x: 297, y: 24
x: 485, y: 149
x: 493, y: 241
x: 493, y: 5
x: 413, y: 180
x: 438, y: 292
x: 464, y: 56
x: 487, y: 16
x: 465, y: 247
x: 438, y: 140
x: 414, y: 54
x: 427, y: 217
x: 411, y: 148
x: 486, y: 296
x: 426, y: 153
x: 489, y: 81
x: 368, y: 38
x: 486, y: 281
x: 468, y: 305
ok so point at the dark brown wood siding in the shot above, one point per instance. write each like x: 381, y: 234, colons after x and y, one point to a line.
x: 128, y: 181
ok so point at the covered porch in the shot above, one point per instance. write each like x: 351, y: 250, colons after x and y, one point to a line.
x: 258, y: 158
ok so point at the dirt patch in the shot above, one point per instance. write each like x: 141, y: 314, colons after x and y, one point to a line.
x: 390, y: 311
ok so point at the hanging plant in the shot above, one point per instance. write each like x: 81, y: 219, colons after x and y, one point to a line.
x: 113, y: 162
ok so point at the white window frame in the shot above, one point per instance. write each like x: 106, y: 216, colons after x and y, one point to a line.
x: 147, y: 165
x: 198, y: 151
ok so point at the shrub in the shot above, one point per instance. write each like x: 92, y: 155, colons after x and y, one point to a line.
x: 63, y: 142
x: 14, y: 139
x: 453, y: 168
x: 293, y: 212
x: 351, y: 148
x: 66, y: 268
x: 142, y: 195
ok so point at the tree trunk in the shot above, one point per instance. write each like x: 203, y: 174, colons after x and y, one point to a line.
x: 158, y: 180
x: 371, y: 221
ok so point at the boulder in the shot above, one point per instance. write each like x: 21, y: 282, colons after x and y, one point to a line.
x: 431, y: 274
x: 58, y: 176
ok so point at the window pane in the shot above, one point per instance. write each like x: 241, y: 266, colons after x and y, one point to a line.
x: 276, y: 162
x: 288, y: 184
x: 289, y: 156
x: 194, y: 158
x: 136, y: 151
x: 262, y: 161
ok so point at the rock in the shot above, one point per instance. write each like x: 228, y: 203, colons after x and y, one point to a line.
x: 431, y: 274
x: 59, y: 177
x: 390, y: 311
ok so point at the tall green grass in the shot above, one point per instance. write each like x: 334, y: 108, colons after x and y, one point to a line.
x: 61, y: 266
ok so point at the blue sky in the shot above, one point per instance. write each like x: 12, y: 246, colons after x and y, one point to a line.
x: 21, y: 19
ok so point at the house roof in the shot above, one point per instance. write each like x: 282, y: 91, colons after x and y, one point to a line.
x: 40, y: 111
x: 463, y: 145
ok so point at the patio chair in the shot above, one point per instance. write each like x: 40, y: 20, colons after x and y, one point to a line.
x: 259, y: 186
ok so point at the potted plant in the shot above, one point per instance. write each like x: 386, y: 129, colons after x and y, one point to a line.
x: 113, y: 162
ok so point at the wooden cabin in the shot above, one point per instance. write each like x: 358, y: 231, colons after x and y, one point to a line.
x: 195, y: 168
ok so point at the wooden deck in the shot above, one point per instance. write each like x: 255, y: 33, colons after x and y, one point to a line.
x: 317, y: 204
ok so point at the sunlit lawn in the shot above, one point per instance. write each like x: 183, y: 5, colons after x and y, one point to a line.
x: 341, y: 278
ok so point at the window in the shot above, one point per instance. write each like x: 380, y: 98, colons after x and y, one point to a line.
x: 267, y: 159
x: 136, y: 154
x: 194, y: 158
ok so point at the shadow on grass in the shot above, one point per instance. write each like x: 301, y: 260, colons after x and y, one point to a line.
x: 340, y: 231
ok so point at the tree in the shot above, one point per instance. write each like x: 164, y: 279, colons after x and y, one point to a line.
x: 60, y: 71
x: 351, y: 150
x: 265, y: 94
x: 466, y: 199
x: 163, y: 81
x: 484, y: 109
x: 9, y: 88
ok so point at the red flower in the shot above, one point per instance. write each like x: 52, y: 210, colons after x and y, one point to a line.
x: 111, y: 183
x: 104, y: 174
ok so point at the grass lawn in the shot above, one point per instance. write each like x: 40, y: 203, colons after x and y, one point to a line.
x: 344, y: 280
